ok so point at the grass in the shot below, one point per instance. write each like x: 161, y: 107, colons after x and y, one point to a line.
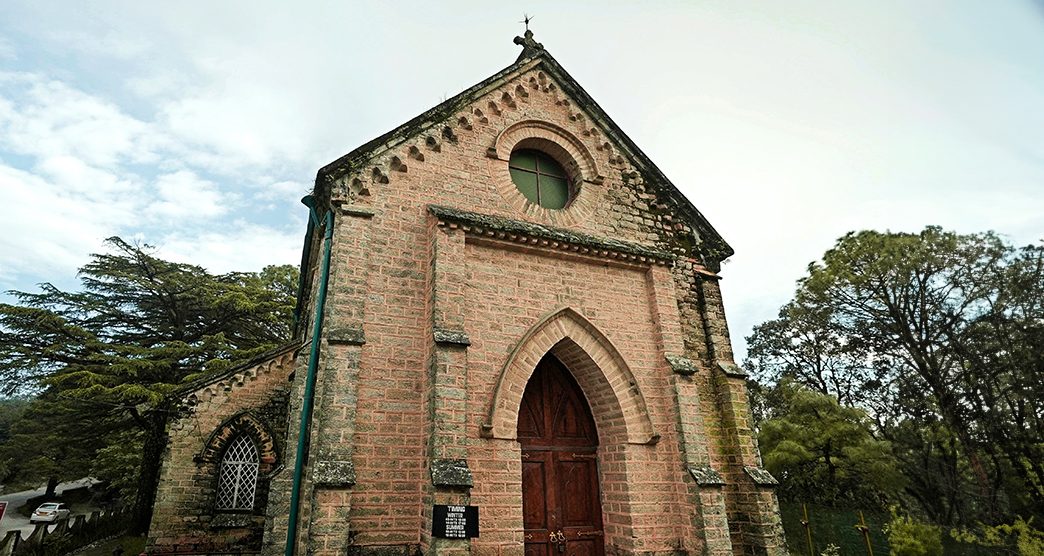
x: 132, y: 546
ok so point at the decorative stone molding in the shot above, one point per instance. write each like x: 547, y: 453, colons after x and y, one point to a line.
x: 334, y: 473
x: 243, y: 423
x: 527, y: 233
x: 681, y: 365
x: 559, y: 144
x: 568, y: 149
x: 761, y: 477
x: 210, y: 387
x: 346, y: 335
x: 706, y: 476
x: 732, y: 370
x: 451, y: 473
x: 451, y: 337
x: 232, y: 520
x: 595, y: 363
x: 356, y: 210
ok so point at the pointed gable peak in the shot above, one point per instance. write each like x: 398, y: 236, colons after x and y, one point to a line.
x: 437, y: 124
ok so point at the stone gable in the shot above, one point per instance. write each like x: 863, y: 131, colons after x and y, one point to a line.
x: 447, y: 288
x: 622, y: 194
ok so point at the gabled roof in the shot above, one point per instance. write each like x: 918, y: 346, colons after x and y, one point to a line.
x: 230, y: 373
x: 713, y: 248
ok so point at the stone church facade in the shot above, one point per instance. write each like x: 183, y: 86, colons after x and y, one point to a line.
x: 505, y: 305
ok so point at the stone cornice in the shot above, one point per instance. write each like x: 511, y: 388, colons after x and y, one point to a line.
x: 230, y: 379
x: 538, y: 235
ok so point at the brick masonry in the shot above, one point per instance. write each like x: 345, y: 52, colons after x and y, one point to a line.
x: 251, y: 400
x: 446, y: 288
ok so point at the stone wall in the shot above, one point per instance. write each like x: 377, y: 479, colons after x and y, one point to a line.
x: 248, y: 400
x: 425, y: 309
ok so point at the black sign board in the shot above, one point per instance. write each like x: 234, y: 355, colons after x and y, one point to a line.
x: 454, y: 522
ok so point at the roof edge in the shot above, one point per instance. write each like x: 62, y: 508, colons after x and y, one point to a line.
x: 716, y: 248
x: 203, y: 382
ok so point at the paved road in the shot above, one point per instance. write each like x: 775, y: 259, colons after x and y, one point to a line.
x: 14, y: 520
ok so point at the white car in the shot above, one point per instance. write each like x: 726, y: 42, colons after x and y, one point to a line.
x: 50, y: 512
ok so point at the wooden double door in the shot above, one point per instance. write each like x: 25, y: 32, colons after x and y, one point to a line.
x: 561, y: 506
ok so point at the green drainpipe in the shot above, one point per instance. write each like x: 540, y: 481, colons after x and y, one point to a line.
x: 313, y: 364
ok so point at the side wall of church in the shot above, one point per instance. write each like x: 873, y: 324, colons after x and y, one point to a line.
x: 253, y: 402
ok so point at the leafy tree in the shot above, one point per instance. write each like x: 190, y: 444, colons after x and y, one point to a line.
x: 939, y: 337
x: 804, y: 344
x: 139, y: 328
x: 51, y: 441
x: 11, y: 410
x: 1019, y: 538
x: 118, y: 462
x: 823, y: 452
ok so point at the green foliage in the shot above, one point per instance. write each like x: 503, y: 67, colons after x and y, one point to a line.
x: 130, y: 545
x: 101, y: 361
x: 824, y: 452
x: 40, y: 447
x: 118, y: 462
x: 1027, y: 540
x: 940, y: 338
x: 910, y: 537
x: 54, y: 544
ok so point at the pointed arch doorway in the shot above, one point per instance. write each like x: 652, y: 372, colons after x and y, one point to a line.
x: 561, y: 505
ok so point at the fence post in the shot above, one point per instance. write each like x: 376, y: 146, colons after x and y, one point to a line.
x: 861, y: 526
x: 808, y: 530
x: 10, y: 542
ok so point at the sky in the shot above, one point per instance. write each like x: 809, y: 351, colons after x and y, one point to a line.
x: 197, y: 126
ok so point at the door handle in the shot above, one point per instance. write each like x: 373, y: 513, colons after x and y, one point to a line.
x: 558, y: 537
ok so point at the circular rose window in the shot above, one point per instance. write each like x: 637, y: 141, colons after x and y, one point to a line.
x: 540, y: 178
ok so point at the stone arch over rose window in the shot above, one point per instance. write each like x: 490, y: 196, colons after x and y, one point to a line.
x: 562, y: 146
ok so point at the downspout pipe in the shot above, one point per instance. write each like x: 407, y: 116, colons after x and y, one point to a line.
x: 313, y: 364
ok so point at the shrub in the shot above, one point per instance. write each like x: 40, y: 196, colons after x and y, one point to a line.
x: 1021, y: 535
x: 909, y: 537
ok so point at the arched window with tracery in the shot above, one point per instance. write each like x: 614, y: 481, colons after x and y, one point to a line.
x: 237, y: 479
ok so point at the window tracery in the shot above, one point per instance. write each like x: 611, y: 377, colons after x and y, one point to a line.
x: 237, y: 475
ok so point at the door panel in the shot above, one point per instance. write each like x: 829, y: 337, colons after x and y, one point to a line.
x: 537, y: 549
x: 587, y: 546
x: 561, y: 507
x: 575, y: 478
x: 534, y: 504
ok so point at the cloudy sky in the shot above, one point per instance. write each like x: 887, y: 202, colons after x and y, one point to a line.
x: 197, y: 126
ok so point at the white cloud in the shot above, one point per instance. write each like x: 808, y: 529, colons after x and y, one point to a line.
x: 185, y: 196
x: 72, y: 176
x: 240, y: 246
x: 45, y: 117
x: 45, y: 233
x: 287, y: 193
x: 786, y: 125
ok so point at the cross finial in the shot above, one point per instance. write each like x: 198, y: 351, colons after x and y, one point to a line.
x: 526, y: 19
x: 529, y: 45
